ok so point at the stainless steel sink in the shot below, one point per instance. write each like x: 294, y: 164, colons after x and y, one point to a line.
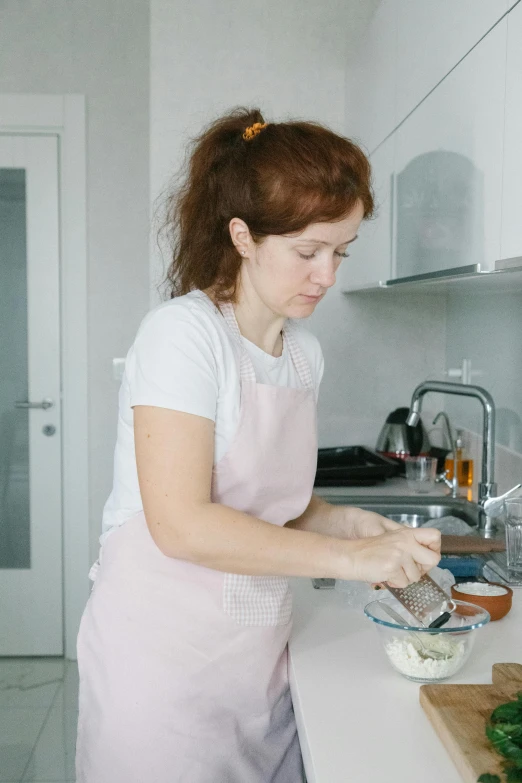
x: 415, y: 511
x: 412, y: 511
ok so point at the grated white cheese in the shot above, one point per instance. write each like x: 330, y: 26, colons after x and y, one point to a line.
x: 480, y: 588
x: 404, y: 655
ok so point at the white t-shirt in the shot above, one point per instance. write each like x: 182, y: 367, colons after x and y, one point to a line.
x: 186, y: 358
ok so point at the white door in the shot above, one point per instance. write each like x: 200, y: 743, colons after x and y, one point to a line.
x: 31, y: 621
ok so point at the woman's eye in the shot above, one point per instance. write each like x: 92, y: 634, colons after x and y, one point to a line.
x: 308, y: 258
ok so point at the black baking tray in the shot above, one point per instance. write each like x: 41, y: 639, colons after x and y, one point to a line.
x: 352, y: 466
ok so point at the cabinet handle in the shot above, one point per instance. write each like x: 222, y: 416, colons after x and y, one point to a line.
x: 457, y: 271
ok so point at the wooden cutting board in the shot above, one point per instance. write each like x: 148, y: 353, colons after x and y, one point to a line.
x: 459, y: 714
x: 468, y: 545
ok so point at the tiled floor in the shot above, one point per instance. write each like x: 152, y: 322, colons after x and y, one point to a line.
x: 38, y: 716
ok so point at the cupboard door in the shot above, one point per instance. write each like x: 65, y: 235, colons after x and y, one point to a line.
x: 371, y: 79
x: 431, y: 39
x: 511, y: 237
x: 370, y: 255
x: 448, y: 168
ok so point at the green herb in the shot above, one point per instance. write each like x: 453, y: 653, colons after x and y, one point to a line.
x: 503, y: 736
x: 511, y: 711
x: 504, y: 730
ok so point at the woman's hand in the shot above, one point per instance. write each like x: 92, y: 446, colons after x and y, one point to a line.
x: 400, y: 556
x: 365, y: 524
x: 341, y: 521
x: 369, y: 547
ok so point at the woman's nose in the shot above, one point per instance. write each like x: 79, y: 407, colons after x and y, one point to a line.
x: 324, y: 275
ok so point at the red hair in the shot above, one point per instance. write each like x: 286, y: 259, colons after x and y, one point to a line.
x: 287, y: 176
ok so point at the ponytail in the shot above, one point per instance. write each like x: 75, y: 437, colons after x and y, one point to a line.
x: 277, y: 177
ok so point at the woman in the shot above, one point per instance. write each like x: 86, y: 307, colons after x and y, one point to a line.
x: 182, y: 649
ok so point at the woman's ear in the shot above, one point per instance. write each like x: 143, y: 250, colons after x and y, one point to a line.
x: 240, y: 235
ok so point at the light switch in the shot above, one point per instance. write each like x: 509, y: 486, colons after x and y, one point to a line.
x: 465, y: 373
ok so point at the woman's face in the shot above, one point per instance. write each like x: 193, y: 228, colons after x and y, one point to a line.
x: 291, y: 273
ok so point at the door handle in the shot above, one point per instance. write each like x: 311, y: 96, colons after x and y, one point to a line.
x: 45, y: 404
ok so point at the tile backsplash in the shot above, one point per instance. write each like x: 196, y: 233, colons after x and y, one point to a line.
x: 486, y: 328
x: 508, y: 464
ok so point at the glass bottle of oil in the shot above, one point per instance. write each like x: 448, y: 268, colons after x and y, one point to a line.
x: 464, y: 463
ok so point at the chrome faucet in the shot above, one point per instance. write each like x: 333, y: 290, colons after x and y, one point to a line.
x: 453, y: 483
x: 487, y: 487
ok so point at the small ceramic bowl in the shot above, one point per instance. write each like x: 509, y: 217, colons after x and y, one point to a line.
x: 497, y: 605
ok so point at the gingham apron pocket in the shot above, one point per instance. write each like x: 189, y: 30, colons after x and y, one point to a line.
x: 257, y: 600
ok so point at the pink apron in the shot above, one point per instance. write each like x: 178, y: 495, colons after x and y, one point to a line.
x: 183, y: 669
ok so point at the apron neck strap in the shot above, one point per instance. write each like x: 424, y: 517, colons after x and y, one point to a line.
x: 299, y: 360
x: 246, y: 366
x: 301, y: 363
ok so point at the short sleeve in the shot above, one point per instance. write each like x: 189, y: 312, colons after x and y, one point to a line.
x: 172, y: 363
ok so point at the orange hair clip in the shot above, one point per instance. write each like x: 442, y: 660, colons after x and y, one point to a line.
x: 253, y: 130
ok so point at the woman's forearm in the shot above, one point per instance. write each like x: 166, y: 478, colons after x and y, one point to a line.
x: 328, y: 519
x: 224, y: 539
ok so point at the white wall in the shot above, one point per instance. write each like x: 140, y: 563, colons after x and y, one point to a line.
x: 290, y: 59
x: 377, y: 349
x: 100, y: 49
x: 486, y: 328
x: 287, y: 58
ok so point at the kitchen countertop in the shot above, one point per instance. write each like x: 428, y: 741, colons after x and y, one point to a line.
x: 391, y: 487
x: 359, y: 720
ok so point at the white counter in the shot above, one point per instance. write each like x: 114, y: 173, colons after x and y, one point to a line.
x: 397, y: 486
x: 358, y: 720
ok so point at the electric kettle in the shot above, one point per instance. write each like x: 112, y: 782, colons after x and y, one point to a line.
x: 398, y: 440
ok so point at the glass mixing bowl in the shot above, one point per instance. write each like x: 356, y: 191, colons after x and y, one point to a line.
x: 424, y: 654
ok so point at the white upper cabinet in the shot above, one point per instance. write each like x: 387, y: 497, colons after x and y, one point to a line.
x: 448, y: 167
x: 408, y: 47
x: 370, y: 255
x: 432, y: 36
x: 511, y: 238
x: 370, y: 98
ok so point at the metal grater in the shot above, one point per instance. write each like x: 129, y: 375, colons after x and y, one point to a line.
x: 425, y: 600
